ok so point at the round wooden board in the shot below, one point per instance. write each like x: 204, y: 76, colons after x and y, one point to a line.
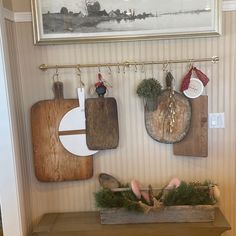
x: 157, y: 123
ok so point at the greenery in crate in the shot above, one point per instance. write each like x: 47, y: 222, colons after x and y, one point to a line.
x: 185, y: 194
x: 189, y: 194
x: 105, y: 198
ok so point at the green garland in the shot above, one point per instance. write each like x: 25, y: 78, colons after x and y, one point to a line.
x: 185, y: 194
x: 189, y: 194
x: 105, y: 198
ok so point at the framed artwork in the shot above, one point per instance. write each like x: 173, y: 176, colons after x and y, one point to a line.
x: 67, y: 21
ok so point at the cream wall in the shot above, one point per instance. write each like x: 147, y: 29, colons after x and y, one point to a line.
x: 21, y: 5
x: 17, y: 5
x: 7, y: 4
x: 138, y: 156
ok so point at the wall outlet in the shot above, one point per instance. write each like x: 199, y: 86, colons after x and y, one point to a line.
x: 216, y: 120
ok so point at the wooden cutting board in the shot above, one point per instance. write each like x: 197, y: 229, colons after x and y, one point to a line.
x: 157, y: 121
x: 196, y: 141
x: 52, y: 161
x: 102, y: 130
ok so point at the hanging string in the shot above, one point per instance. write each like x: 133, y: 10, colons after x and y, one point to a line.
x: 81, y: 83
x: 55, y: 76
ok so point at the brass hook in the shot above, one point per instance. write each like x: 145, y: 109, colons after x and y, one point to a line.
x: 165, y: 65
x: 110, y: 71
x: 56, y: 75
x: 81, y: 83
x: 118, y: 68
x: 143, y: 68
x: 135, y: 67
x: 99, y: 69
x: 190, y: 65
x: 124, y: 69
x: 78, y: 69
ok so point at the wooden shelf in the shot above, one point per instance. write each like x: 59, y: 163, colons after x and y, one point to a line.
x: 88, y: 224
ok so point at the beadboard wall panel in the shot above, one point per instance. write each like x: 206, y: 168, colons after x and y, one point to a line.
x: 7, y: 4
x: 137, y: 156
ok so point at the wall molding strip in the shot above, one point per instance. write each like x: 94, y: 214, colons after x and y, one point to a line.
x: 22, y: 16
x: 27, y: 17
x: 229, y: 5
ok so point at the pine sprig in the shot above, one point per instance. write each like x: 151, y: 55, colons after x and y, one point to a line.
x: 188, y: 194
x: 105, y: 198
x: 194, y: 193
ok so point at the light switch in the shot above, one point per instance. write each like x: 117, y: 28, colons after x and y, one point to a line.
x: 216, y: 120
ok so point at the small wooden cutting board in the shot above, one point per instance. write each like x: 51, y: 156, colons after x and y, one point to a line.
x: 196, y: 141
x: 102, y: 130
x: 51, y: 160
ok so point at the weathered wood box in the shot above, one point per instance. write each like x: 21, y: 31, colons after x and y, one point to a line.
x: 199, y: 213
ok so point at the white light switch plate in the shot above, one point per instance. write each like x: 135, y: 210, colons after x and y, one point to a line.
x: 216, y: 120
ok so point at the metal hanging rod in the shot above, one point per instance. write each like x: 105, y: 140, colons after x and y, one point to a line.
x: 45, y: 67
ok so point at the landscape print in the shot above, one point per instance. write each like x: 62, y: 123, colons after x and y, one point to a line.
x: 115, y: 16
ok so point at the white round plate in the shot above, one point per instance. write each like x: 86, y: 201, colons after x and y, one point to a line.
x: 195, y: 88
x: 74, y: 120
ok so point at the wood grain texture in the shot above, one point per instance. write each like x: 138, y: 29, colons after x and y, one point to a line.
x: 196, y: 141
x: 52, y: 162
x: 200, y: 213
x: 157, y: 121
x: 88, y: 224
x: 101, y: 123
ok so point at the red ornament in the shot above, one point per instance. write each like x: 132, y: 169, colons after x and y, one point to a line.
x: 100, y: 87
x: 200, y: 75
x: 186, y: 80
x: 100, y: 81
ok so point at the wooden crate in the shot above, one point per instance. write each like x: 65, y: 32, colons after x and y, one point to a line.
x: 199, y: 213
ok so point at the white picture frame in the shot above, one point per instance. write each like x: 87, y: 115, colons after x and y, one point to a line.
x: 75, y: 21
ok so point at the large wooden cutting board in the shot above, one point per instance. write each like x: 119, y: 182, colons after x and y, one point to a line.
x: 157, y: 121
x: 102, y: 130
x: 196, y: 141
x: 51, y: 160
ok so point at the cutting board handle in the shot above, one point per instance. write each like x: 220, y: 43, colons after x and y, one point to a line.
x: 58, y: 90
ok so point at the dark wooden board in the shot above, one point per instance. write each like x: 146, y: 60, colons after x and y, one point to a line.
x: 196, y: 141
x: 102, y: 130
x: 52, y: 161
x: 157, y: 121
